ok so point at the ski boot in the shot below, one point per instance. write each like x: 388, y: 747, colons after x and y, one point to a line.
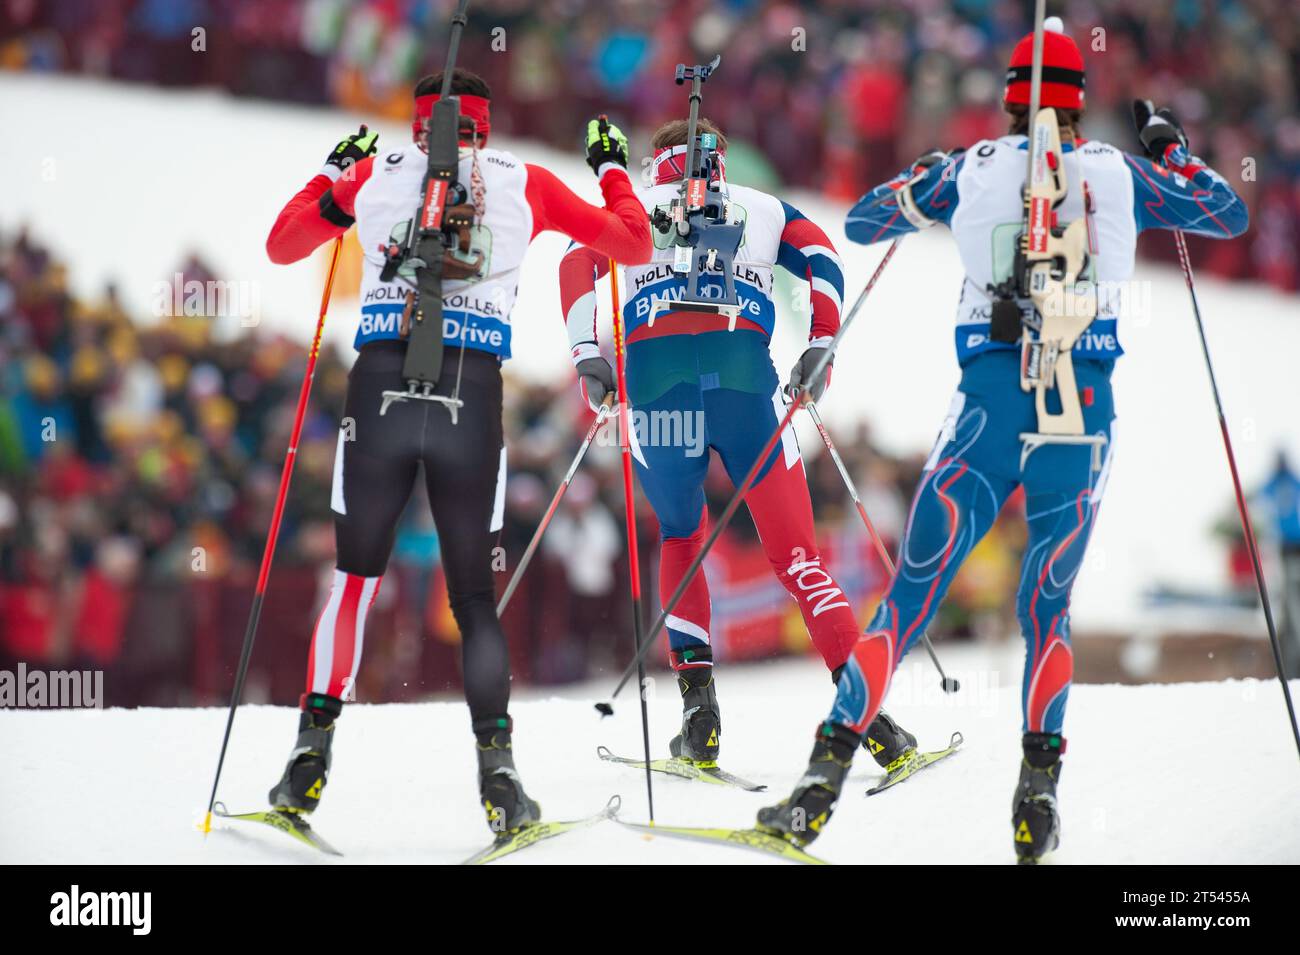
x: 891, y: 746
x: 299, y: 789
x: 1035, y: 823
x: 800, y: 818
x: 508, y: 807
x: 699, y: 740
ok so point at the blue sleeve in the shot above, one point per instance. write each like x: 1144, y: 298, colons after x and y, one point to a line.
x: 1198, y: 200
x: 877, y: 217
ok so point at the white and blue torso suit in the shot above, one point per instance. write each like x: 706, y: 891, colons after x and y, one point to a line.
x: 977, y: 193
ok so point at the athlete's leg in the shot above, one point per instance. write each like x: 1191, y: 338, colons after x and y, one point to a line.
x: 374, y: 469
x: 960, y: 495
x: 1062, y: 493
x: 740, y: 424
x: 671, y: 455
x: 671, y: 450
x: 464, y: 473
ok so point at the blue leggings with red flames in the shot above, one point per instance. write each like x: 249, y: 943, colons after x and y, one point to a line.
x: 976, y: 465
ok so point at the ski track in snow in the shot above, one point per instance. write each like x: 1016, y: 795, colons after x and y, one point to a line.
x: 1183, y: 773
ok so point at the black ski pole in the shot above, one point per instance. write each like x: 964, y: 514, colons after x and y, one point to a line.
x: 531, y: 549
x: 606, y: 708
x: 1246, y: 526
x: 949, y: 684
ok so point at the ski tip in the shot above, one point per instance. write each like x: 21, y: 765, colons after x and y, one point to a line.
x: 604, y: 752
x: 605, y: 709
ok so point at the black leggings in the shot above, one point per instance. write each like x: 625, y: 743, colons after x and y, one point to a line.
x: 462, y: 467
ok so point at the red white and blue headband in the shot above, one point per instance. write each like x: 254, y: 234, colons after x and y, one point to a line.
x: 670, y: 164
x: 477, y: 108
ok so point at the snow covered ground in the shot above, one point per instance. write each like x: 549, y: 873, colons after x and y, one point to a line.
x: 1189, y: 773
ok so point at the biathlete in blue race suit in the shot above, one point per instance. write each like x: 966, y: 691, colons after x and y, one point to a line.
x: 979, y: 458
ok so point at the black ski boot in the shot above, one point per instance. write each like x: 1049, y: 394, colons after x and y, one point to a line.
x: 699, y: 740
x: 508, y: 807
x: 889, y: 744
x: 801, y: 818
x: 299, y: 789
x: 1035, y: 823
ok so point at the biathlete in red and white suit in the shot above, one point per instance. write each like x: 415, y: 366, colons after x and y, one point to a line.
x: 378, y: 457
x: 695, y: 385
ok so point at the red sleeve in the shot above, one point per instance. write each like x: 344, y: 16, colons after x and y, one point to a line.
x: 621, y: 230
x: 322, y: 210
x: 580, y: 270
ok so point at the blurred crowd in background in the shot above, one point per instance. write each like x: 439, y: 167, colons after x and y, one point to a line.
x: 139, y: 458
x: 832, y: 95
x: 139, y: 463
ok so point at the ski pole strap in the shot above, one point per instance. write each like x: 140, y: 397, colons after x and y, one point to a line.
x: 911, y: 211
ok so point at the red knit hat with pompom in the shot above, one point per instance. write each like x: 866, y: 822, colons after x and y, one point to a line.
x: 1062, y: 69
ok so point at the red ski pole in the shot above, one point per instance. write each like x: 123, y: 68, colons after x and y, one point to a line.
x: 629, y: 511
x: 268, y: 553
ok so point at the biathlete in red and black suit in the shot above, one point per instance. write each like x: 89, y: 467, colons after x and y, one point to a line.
x: 378, y: 456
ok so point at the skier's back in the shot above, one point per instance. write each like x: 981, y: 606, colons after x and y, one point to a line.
x: 1009, y: 426
x: 382, y: 448
x: 701, y: 380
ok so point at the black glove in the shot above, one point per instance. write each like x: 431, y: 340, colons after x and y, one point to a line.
x: 353, y: 149
x: 605, y: 143
x: 932, y: 158
x: 1158, y: 129
x: 596, y: 380
x: 803, y: 368
x: 935, y: 157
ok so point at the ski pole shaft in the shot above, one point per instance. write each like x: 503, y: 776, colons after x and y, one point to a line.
x: 740, y: 492
x: 950, y: 685
x: 601, y: 416
x: 273, y: 533
x: 629, y: 513
x: 1247, y: 528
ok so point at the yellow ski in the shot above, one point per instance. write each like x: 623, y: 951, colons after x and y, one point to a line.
x: 685, y: 769
x: 751, y: 839
x: 522, y: 838
x: 290, y: 823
